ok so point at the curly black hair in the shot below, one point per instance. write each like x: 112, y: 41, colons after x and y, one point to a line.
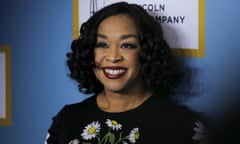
x: 158, y: 66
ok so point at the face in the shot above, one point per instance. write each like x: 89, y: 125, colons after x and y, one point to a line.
x: 117, y: 54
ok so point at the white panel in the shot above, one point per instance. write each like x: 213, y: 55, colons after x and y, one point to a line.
x: 2, y: 85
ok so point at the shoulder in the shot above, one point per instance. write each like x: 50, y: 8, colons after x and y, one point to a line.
x: 170, y: 108
x: 174, y: 115
x: 70, y: 111
x: 80, y: 106
x: 186, y: 125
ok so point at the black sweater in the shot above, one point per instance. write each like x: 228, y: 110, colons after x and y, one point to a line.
x: 156, y: 121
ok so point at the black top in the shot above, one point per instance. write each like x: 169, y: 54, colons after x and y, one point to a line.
x: 156, y: 121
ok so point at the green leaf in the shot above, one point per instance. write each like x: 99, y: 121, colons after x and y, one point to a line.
x: 111, y: 137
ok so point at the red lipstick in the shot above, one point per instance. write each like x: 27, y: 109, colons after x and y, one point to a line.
x: 114, y: 72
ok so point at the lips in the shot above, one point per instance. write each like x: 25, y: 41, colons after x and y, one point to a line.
x: 114, y: 72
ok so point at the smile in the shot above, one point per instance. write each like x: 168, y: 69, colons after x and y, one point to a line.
x: 114, y: 72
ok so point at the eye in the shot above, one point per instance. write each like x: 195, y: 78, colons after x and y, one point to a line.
x: 129, y: 46
x: 101, y: 45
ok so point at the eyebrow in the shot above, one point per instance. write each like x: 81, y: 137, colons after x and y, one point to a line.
x: 122, y: 37
x: 129, y: 36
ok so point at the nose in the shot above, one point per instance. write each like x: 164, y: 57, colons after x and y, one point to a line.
x: 114, y: 55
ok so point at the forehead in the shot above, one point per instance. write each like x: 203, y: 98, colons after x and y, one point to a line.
x: 118, y: 23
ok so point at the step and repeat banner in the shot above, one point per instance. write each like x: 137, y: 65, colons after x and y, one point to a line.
x: 183, y: 21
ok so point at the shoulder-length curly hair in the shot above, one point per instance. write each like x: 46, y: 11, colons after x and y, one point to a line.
x: 158, y: 67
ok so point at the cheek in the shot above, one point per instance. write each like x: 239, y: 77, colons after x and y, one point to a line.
x: 97, y: 58
x: 134, y: 59
x: 97, y: 73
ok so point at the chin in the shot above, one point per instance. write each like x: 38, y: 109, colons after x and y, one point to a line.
x: 116, y: 89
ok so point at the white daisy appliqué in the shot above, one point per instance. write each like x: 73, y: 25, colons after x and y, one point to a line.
x: 48, y: 135
x: 75, y: 141
x: 113, y: 124
x: 134, y: 135
x: 201, y: 133
x: 91, y: 130
x: 94, y: 131
x: 124, y: 142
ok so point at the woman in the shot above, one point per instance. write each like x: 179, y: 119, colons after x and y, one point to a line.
x: 122, y: 59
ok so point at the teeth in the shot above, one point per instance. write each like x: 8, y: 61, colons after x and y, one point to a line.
x: 114, y: 71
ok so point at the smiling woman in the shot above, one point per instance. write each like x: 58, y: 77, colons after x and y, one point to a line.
x: 122, y: 59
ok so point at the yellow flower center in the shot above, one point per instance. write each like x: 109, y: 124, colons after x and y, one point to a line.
x: 137, y: 135
x: 91, y: 130
x: 114, y: 122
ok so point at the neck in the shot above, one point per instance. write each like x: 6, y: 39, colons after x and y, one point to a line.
x: 118, y: 102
